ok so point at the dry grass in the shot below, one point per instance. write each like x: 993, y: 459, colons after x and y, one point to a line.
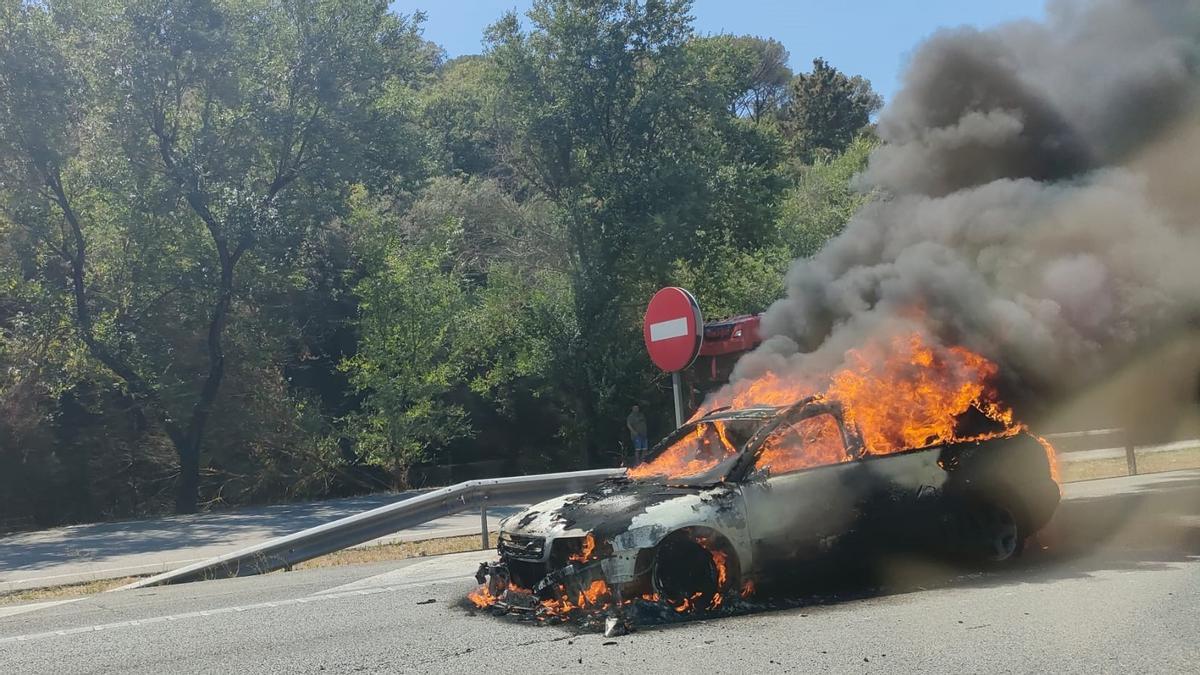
x: 62, y: 592
x: 1147, y: 462
x: 399, y: 551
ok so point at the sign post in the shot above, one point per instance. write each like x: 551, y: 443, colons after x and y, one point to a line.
x: 677, y: 390
x: 673, y: 330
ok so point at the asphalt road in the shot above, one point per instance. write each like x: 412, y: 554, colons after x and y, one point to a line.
x: 79, y: 553
x: 1114, y: 590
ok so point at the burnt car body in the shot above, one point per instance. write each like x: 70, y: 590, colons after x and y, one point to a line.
x: 747, y: 516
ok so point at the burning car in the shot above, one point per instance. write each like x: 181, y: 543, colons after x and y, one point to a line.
x: 737, y: 497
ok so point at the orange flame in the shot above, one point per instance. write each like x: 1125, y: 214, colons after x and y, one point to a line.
x: 811, y: 442
x: 482, y: 598
x: 720, y: 559
x: 595, y: 596
x: 688, y: 603
x: 695, y: 453
x: 598, y: 596
x: 899, y: 393
x: 768, y: 390
x: 585, y: 553
x: 1052, y: 456
x: 904, y: 395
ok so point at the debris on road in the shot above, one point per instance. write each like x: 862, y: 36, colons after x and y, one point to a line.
x: 615, y: 627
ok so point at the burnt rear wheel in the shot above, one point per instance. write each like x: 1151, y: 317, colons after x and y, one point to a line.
x: 994, y: 533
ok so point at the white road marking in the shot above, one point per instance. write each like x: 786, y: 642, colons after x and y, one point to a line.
x: 665, y: 330
x: 211, y: 612
x: 449, y: 567
x: 437, y: 570
x: 33, y: 607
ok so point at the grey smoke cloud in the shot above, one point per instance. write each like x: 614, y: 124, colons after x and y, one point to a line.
x: 1039, y: 199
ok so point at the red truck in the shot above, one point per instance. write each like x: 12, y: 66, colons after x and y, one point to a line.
x: 725, y: 340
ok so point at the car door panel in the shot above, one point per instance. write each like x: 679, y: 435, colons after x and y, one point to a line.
x: 796, y: 497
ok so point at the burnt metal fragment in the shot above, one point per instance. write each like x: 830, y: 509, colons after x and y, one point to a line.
x: 615, y: 626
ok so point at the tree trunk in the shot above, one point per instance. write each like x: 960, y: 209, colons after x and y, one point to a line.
x: 187, y: 493
x: 595, y: 318
x: 145, y: 396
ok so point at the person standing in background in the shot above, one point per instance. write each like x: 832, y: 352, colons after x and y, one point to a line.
x: 637, y: 430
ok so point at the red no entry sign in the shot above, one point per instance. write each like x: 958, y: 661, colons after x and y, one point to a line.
x: 673, y: 329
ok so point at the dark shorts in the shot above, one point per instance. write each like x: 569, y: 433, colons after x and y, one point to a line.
x: 639, y: 443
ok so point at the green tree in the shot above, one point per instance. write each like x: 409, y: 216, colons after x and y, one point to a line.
x: 826, y: 110
x: 733, y: 281
x: 760, y: 66
x: 467, y: 307
x: 824, y: 199
x: 406, y: 362
x: 155, y: 147
x: 279, y: 248
x: 614, y: 114
x: 459, y: 111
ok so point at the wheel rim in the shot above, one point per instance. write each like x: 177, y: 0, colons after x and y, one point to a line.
x: 1000, y: 530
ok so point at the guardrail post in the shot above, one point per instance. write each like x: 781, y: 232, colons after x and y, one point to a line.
x: 483, y: 528
x: 1130, y: 456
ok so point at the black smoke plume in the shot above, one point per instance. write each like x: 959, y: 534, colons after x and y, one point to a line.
x: 1036, y: 199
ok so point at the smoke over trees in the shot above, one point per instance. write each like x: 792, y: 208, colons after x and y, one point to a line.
x: 1036, y: 203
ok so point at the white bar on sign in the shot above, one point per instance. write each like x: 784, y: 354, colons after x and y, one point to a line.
x: 665, y: 330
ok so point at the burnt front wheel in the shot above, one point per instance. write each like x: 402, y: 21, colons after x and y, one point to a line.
x: 690, y: 574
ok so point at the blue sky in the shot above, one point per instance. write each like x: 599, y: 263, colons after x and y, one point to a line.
x: 865, y: 37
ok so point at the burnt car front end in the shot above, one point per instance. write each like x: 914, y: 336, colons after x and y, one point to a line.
x: 538, y: 570
x: 681, y: 540
x: 597, y: 551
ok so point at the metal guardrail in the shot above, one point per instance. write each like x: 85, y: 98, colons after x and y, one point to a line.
x: 1081, y: 434
x: 360, y: 528
x: 1125, y: 439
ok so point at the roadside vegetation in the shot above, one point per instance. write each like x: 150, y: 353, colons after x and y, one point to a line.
x: 403, y: 550
x: 1147, y: 462
x: 63, y: 592
x: 261, y: 250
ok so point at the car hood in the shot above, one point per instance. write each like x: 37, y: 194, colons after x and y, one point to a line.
x: 605, y: 511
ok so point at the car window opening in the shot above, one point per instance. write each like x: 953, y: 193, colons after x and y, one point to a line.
x: 695, y: 452
x: 813, y: 441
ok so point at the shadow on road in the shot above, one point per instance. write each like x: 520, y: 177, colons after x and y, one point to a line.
x: 100, y: 542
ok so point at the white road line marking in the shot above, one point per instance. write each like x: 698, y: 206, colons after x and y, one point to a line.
x: 665, y: 330
x: 437, y: 568
x: 206, y: 613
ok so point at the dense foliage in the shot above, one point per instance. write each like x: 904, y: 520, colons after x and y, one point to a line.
x: 254, y: 250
